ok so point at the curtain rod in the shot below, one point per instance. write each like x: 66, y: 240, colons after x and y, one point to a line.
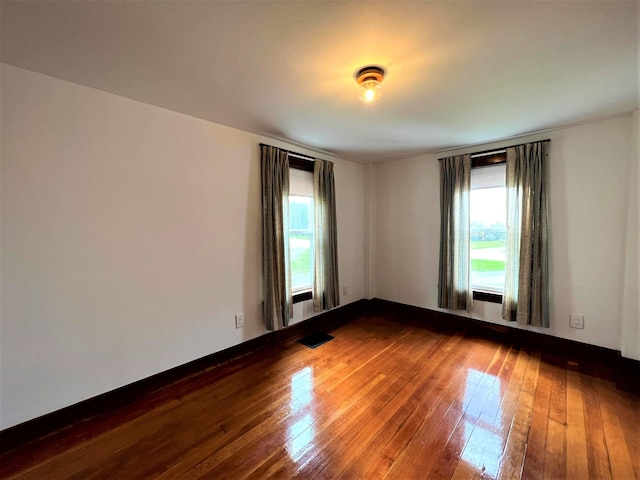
x: 501, y: 149
x: 295, y: 154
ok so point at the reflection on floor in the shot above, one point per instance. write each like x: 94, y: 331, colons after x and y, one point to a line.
x: 300, y: 434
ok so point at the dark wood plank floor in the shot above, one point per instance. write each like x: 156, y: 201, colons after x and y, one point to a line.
x: 382, y: 400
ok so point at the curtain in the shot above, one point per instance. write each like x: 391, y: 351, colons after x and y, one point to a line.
x: 326, y: 292
x: 526, y: 293
x: 278, y: 304
x: 453, y: 281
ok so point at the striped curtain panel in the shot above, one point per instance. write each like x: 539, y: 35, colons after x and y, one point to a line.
x: 326, y: 290
x: 277, y: 304
x: 453, y: 278
x: 526, y: 293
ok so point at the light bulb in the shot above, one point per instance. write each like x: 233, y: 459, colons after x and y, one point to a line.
x: 369, y: 95
x: 370, y: 91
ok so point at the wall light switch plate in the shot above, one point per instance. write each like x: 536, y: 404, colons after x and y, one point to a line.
x: 239, y: 320
x: 576, y: 321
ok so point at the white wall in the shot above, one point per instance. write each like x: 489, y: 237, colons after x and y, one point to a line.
x: 631, y: 306
x: 369, y: 229
x: 589, y: 167
x: 130, y: 237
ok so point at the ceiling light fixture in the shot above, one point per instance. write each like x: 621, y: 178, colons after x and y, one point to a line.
x: 369, y: 79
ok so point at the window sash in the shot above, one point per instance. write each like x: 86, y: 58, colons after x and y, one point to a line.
x: 483, y: 178
x: 301, y: 185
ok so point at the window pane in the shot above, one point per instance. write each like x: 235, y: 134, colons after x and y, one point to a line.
x: 488, y: 238
x: 301, y: 241
x: 299, y: 218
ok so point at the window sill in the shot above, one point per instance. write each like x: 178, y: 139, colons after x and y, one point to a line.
x: 302, y: 296
x: 487, y: 296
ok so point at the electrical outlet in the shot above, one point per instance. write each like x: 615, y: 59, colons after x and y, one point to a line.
x: 239, y: 320
x: 576, y: 321
x: 344, y: 290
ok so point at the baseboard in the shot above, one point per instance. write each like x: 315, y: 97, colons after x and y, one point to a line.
x: 23, y: 433
x: 598, y: 361
x: 628, y: 377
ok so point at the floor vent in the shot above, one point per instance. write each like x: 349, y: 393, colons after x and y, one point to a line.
x: 315, y: 339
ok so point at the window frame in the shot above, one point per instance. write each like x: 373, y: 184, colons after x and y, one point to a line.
x: 485, y: 160
x: 301, y: 163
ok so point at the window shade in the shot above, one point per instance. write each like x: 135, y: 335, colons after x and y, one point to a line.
x: 489, y: 177
x: 300, y: 182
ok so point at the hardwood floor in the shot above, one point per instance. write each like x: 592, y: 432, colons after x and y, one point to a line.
x: 382, y: 400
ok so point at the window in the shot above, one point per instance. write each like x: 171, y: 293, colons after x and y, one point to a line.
x: 488, y: 218
x: 477, y: 253
x: 301, y: 229
x: 311, y: 233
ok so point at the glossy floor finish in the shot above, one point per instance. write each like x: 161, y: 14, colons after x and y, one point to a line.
x: 382, y: 400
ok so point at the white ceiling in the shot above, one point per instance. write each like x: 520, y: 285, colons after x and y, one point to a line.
x: 459, y: 73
